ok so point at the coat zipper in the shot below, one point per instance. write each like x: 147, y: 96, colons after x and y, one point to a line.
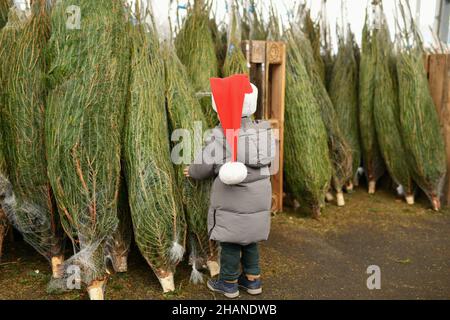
x: 214, y: 224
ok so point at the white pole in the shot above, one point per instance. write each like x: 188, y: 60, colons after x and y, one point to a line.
x: 324, y: 20
x: 418, y: 9
x: 443, y: 19
x: 437, y: 18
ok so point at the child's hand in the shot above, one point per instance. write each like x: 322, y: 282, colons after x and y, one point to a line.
x: 186, y: 172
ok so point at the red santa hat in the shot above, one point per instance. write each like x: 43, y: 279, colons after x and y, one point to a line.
x: 229, y: 97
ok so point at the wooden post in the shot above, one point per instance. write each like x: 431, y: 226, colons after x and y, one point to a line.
x: 438, y: 70
x: 268, y: 72
x: 256, y: 55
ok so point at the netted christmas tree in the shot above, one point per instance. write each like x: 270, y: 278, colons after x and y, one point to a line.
x: 89, y: 61
x: 344, y: 95
x: 339, y: 149
x: 307, y: 164
x: 420, y: 128
x: 386, y: 111
x: 340, y: 152
x: 184, y: 114
x: 373, y: 162
x: 155, y: 202
x: 28, y: 202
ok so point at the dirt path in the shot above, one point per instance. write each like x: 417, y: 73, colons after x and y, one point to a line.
x: 304, y: 259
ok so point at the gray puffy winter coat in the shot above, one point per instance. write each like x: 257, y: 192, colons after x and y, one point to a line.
x: 239, y: 213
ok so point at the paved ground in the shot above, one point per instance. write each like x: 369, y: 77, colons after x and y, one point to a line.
x: 304, y: 259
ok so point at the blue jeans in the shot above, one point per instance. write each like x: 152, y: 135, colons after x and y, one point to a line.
x: 233, y: 255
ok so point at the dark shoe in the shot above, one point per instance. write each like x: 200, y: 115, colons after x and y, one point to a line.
x: 229, y: 290
x: 252, y: 287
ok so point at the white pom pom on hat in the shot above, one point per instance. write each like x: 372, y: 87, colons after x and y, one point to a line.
x: 232, y: 173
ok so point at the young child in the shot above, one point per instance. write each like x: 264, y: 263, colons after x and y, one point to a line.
x: 240, y: 204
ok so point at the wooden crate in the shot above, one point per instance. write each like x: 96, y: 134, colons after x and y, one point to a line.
x: 268, y: 72
x: 438, y: 70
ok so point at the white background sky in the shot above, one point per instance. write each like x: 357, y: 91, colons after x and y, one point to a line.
x: 356, y: 11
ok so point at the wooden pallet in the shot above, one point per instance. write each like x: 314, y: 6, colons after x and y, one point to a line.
x: 438, y: 70
x: 268, y: 72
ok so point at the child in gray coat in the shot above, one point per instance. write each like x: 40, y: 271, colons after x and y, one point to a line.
x: 239, y: 214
